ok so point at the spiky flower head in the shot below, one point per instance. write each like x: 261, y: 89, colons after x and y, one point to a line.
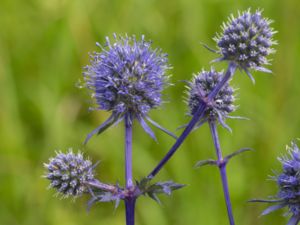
x: 289, y: 180
x: 69, y: 173
x: 127, y: 76
x: 247, y: 41
x: 198, y: 90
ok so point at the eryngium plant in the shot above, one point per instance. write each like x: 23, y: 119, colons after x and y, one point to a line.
x: 127, y: 78
x: 239, y: 26
x: 217, y: 110
x: 247, y: 41
x: 288, y: 182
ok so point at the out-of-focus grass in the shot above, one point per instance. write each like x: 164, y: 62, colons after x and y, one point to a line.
x: 44, y: 45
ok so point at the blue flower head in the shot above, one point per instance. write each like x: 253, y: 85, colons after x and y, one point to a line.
x: 218, y: 108
x: 289, y: 180
x: 69, y: 173
x: 247, y: 41
x: 126, y: 78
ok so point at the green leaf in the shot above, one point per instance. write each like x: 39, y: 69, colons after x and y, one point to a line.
x: 242, y: 150
x: 152, y: 190
x: 205, y: 162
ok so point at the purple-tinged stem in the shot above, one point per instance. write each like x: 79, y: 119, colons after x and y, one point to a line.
x: 130, y: 208
x: 199, y: 113
x: 102, y: 186
x: 222, y: 167
x: 196, y: 117
x: 128, y: 152
x: 229, y: 73
x: 129, y: 201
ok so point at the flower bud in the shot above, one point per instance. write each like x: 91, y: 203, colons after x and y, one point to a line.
x: 69, y: 173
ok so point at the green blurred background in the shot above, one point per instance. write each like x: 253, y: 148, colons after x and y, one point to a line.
x: 43, y: 46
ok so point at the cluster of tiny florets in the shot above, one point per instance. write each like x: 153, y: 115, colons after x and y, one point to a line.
x: 127, y: 76
x: 69, y: 173
x: 289, y: 180
x: 199, y: 89
x: 247, y: 40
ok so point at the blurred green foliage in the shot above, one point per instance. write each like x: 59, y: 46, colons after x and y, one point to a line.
x: 43, y: 46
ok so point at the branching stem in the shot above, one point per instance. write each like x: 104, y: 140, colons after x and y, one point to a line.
x: 222, y: 167
x: 196, y: 118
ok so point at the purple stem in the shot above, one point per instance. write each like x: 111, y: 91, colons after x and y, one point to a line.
x: 102, y: 186
x: 129, y: 201
x: 222, y: 167
x: 229, y: 73
x: 196, y: 117
x: 129, y: 207
x: 128, y: 152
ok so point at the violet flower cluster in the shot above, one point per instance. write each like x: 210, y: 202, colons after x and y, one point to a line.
x: 247, y: 40
x: 127, y: 78
x: 288, y: 182
x: 69, y: 173
x: 220, y: 106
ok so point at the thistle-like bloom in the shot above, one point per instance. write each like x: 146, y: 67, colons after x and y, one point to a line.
x: 127, y: 77
x: 69, y: 173
x: 247, y: 41
x: 220, y: 106
x: 289, y: 180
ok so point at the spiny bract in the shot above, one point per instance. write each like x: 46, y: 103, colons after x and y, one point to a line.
x: 69, y: 173
x: 198, y: 90
x: 247, y: 40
